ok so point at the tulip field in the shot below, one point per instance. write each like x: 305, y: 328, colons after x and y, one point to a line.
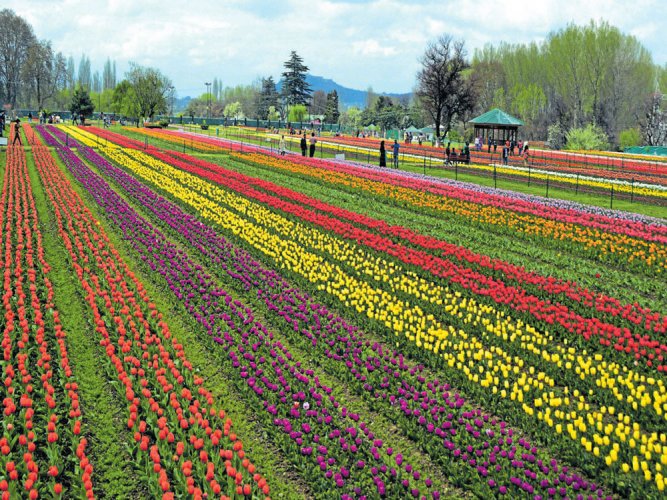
x: 234, y: 323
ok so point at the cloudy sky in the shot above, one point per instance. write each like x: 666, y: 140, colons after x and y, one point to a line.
x: 358, y: 43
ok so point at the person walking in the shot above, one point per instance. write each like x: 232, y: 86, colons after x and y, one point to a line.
x: 304, y: 145
x: 396, y: 146
x: 313, y: 141
x: 282, y: 146
x: 383, y: 155
x: 17, y: 133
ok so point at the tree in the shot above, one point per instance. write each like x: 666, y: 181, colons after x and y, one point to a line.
x: 43, y: 73
x: 16, y: 36
x: 318, y: 105
x: 441, y: 87
x: 331, y: 112
x: 233, y: 110
x: 151, y: 89
x: 351, y: 118
x: 295, y: 89
x: 85, y: 76
x: 109, y: 75
x: 654, y: 123
x: 81, y: 104
x: 268, y: 97
x: 297, y: 113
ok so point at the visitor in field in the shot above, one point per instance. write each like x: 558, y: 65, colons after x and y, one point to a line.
x: 489, y: 145
x: 495, y: 145
x: 282, y: 146
x: 466, y: 153
x: 17, y: 133
x: 520, y: 146
x: 383, y: 155
x: 304, y: 145
x: 448, y: 150
x: 506, y: 154
x: 313, y: 141
x: 395, y: 148
x: 525, y: 147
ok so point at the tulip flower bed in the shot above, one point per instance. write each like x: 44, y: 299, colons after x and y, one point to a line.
x: 606, y: 165
x: 351, y: 352
x: 620, y: 238
x: 519, y: 366
x: 183, y: 442
x: 43, y: 452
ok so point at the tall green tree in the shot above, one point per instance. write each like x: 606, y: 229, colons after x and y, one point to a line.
x: 332, y: 113
x: 295, y: 89
x: 441, y: 86
x: 268, y: 97
x: 81, y: 104
x: 151, y: 89
x: 84, y: 74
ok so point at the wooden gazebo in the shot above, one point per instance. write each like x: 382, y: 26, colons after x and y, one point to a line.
x: 497, y: 125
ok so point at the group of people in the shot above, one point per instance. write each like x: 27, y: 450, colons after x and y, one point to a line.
x: 409, y: 137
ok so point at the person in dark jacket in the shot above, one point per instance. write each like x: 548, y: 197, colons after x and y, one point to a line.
x: 383, y: 155
x: 304, y: 145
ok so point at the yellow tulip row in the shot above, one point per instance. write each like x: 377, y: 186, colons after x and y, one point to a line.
x: 487, y: 365
x: 624, y: 187
x: 602, y: 242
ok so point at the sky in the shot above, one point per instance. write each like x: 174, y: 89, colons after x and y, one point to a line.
x: 357, y: 43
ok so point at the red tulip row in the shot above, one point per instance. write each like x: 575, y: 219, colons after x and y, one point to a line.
x: 183, y: 442
x: 41, y: 421
x: 542, y: 213
x: 636, y: 315
x: 642, y: 346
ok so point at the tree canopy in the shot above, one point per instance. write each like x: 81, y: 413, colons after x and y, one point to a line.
x: 151, y: 89
x: 295, y: 89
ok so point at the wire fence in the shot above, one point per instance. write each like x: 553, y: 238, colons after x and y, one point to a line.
x: 532, y: 172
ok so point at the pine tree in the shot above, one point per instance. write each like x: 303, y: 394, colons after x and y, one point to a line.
x: 331, y: 114
x: 81, y: 104
x: 268, y: 96
x: 295, y: 90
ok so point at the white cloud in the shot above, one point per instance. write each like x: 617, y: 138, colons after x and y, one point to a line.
x: 358, y: 43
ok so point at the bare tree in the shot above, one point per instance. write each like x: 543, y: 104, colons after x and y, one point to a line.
x: 43, y: 73
x: 654, y: 124
x: 441, y: 86
x: 16, y: 36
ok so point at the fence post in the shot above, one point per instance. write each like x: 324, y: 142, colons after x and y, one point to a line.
x: 611, y: 198
x: 424, y: 165
x: 529, y: 175
x: 547, y: 194
x: 632, y: 190
x: 456, y: 171
x: 495, y: 182
x: 184, y: 146
x: 67, y: 140
x: 576, y: 191
x: 320, y: 149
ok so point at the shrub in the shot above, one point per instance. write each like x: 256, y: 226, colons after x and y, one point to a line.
x: 590, y: 137
x: 628, y: 138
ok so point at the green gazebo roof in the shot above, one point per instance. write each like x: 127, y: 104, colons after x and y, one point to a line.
x: 497, y: 117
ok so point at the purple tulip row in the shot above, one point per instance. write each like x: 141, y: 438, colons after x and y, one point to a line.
x: 283, y: 384
x: 482, y: 443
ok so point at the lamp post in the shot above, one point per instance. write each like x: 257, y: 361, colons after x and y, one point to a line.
x: 208, y: 100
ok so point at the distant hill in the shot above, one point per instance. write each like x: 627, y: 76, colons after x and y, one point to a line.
x: 346, y: 96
